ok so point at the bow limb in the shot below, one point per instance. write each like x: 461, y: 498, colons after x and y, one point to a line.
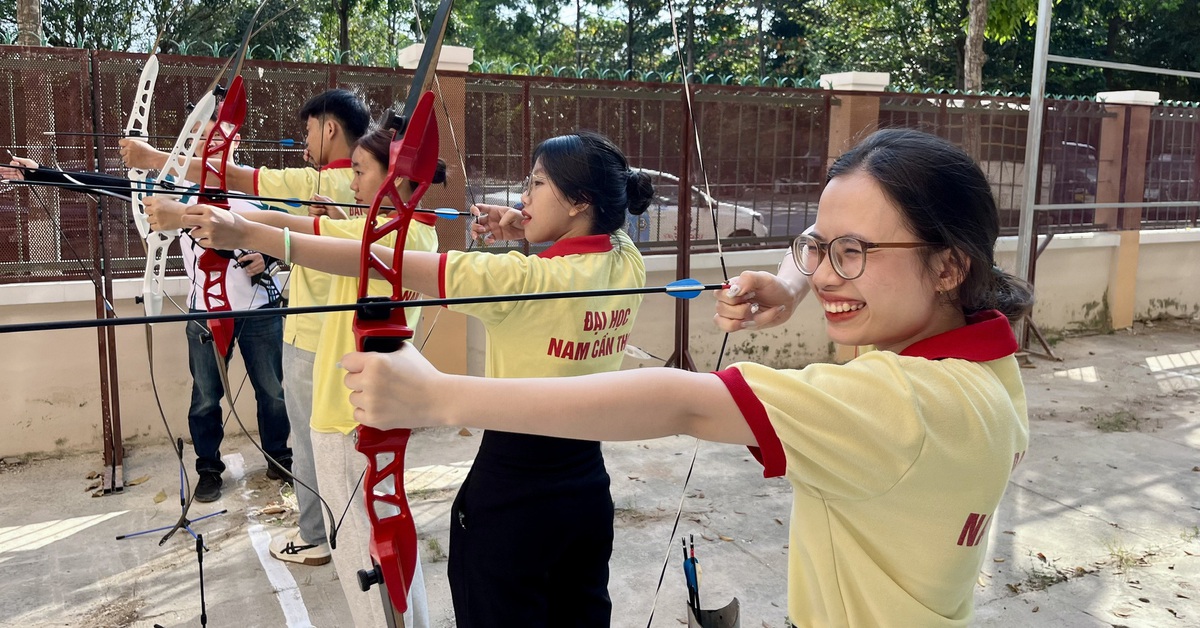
x: 136, y: 126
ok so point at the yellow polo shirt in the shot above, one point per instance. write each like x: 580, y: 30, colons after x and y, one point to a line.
x: 332, y: 411
x: 552, y: 338
x: 897, y: 463
x: 306, y: 286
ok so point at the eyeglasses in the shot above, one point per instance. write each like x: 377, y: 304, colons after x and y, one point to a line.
x: 529, y: 181
x: 847, y: 254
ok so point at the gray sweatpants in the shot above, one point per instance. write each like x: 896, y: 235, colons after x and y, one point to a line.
x: 298, y: 392
x: 339, y: 466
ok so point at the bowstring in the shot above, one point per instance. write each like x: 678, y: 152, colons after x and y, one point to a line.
x: 685, y: 187
x: 462, y: 162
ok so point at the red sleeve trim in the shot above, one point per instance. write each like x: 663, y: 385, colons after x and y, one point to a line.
x: 769, y: 452
x: 442, y: 277
x: 256, y: 192
x: 316, y: 225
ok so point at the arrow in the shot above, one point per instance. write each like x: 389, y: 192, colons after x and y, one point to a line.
x: 680, y: 289
x: 288, y: 142
x: 168, y: 187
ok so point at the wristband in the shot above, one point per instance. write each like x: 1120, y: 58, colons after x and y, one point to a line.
x: 287, y: 246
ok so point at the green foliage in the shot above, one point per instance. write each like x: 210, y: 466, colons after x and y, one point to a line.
x: 89, y: 23
x: 920, y: 42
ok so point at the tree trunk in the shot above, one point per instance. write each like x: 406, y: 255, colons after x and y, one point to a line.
x: 758, y: 40
x: 973, y: 60
x: 29, y: 22
x: 343, y: 11
x: 629, y: 39
x: 974, y: 55
x: 578, y: 33
x: 690, y: 40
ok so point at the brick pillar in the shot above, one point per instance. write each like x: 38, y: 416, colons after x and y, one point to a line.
x: 855, y: 115
x: 1121, y: 178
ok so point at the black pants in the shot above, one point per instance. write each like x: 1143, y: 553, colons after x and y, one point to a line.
x: 531, y: 550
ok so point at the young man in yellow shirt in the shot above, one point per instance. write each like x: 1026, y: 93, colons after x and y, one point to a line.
x: 334, y: 121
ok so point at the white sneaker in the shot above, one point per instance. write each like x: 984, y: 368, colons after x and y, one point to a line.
x: 289, y: 547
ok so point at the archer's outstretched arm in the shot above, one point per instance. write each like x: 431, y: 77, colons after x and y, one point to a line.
x: 402, y: 389
x: 218, y: 228
x: 139, y: 154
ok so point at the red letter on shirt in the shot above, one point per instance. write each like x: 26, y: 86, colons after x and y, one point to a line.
x: 973, y: 530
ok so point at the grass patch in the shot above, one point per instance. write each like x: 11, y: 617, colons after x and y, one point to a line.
x: 1124, y: 559
x: 434, y: 551
x: 1120, y: 421
x: 1044, y: 573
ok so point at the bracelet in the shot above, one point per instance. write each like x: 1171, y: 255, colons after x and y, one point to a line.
x: 287, y: 246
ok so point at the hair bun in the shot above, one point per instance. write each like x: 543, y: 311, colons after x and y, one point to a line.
x: 638, y: 190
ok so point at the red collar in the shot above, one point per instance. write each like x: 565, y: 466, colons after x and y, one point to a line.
x: 987, y: 336
x: 577, y: 246
x: 336, y: 163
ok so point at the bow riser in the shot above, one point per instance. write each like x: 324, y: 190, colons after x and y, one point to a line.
x: 175, y: 169
x: 412, y: 157
x: 219, y: 144
x: 388, y: 508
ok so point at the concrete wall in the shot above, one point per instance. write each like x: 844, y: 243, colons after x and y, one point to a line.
x: 50, y: 393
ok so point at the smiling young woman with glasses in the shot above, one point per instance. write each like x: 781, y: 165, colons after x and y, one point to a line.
x: 898, y: 458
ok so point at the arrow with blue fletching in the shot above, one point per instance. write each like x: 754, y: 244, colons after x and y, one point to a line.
x: 680, y: 289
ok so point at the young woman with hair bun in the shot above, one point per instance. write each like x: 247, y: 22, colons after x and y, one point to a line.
x: 532, y: 526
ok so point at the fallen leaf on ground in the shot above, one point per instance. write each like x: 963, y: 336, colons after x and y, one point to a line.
x: 93, y: 475
x: 161, y: 497
x: 464, y: 432
x: 136, y: 481
x: 273, y: 510
x: 997, y: 560
x: 726, y: 538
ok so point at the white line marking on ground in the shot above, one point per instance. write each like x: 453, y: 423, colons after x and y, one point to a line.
x: 281, y: 579
x: 38, y: 535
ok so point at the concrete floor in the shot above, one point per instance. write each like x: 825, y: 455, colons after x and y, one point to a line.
x: 1098, y: 527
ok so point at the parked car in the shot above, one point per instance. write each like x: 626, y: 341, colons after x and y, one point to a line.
x: 661, y: 220
x: 1076, y: 169
x: 1172, y: 177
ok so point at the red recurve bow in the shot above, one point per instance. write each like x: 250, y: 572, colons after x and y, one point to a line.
x: 412, y: 156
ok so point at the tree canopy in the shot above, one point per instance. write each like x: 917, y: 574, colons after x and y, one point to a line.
x: 921, y: 42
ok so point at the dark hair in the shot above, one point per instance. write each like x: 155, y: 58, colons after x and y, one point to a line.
x: 945, y: 199
x: 344, y: 106
x: 588, y: 168
x: 378, y: 140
